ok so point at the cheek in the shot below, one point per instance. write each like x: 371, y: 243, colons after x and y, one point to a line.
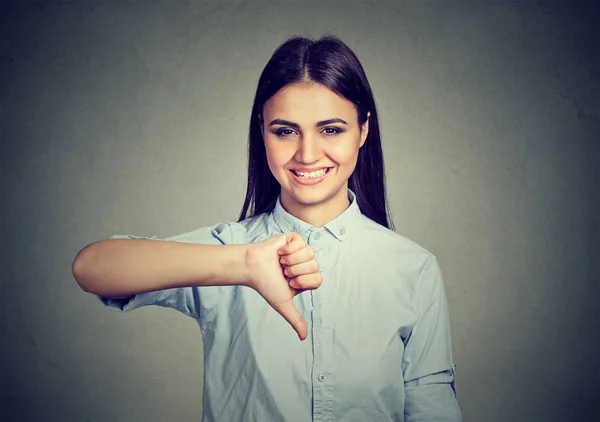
x: 277, y: 156
x: 345, y: 153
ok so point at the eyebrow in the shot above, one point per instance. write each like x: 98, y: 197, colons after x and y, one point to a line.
x: 297, y: 126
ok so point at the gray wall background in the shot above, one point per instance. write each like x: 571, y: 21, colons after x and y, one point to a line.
x: 131, y: 118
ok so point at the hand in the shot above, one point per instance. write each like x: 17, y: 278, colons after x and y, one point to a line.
x: 280, y: 268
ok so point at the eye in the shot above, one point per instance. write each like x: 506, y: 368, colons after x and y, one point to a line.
x: 284, y: 133
x: 332, y: 131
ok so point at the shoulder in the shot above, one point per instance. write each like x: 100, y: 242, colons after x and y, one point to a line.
x: 410, y: 261
x: 256, y: 228
x: 380, y: 237
x: 252, y: 229
x: 392, y: 250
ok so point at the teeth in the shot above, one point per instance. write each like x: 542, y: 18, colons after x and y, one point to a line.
x: 311, y: 175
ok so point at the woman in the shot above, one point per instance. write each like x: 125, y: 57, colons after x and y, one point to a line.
x: 313, y: 245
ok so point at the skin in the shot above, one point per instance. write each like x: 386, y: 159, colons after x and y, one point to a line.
x: 305, y: 144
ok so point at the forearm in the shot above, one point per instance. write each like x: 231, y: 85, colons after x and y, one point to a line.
x: 117, y: 268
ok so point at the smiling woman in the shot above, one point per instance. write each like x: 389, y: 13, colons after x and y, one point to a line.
x: 304, y: 79
x: 313, y: 246
x: 311, y: 158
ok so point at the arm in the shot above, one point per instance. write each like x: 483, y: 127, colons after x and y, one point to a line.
x: 277, y: 268
x: 119, y: 268
x: 428, y: 368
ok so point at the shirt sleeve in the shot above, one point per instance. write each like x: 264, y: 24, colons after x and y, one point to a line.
x: 196, y: 302
x: 429, y: 374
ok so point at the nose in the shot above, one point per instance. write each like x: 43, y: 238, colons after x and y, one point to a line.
x: 309, y: 149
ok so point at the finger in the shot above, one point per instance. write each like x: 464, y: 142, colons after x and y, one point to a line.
x: 288, y: 311
x: 292, y: 246
x: 309, y: 267
x: 303, y: 254
x: 306, y: 282
x: 294, y: 243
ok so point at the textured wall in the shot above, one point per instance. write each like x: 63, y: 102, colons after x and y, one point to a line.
x: 131, y: 118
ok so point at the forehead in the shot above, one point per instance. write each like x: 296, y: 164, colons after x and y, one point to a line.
x: 308, y: 103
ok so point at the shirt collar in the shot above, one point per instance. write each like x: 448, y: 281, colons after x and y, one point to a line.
x: 339, y: 227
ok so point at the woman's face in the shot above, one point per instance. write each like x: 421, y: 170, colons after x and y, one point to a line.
x: 312, y: 138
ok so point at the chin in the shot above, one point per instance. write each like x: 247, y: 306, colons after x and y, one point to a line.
x: 312, y: 197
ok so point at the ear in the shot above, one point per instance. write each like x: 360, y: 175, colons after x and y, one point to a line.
x: 364, y: 130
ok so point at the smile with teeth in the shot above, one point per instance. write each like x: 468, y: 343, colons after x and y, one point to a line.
x: 311, y: 174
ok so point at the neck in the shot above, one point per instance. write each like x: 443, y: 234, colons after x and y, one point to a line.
x: 317, y: 214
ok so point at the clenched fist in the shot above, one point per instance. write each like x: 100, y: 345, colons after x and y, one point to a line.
x: 280, y: 268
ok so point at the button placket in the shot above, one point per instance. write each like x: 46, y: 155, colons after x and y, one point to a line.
x: 319, y: 391
x: 323, y: 380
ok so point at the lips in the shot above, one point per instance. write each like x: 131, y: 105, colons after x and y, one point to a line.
x: 309, y: 180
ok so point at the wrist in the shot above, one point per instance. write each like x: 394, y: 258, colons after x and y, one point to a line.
x: 251, y: 261
x: 244, y: 256
x: 221, y: 265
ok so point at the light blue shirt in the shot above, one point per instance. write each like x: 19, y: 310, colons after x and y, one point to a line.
x: 378, y: 346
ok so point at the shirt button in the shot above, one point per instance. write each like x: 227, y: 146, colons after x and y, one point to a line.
x: 342, y: 232
x: 318, y: 321
x: 317, y: 236
x: 322, y: 377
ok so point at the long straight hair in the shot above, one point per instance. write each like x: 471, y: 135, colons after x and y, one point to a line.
x: 329, y: 62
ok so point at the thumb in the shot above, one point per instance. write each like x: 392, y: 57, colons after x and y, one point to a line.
x: 280, y: 240
x: 288, y: 311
